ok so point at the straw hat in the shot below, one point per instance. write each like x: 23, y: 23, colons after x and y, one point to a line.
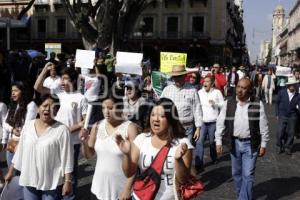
x: 291, y: 81
x: 177, y: 70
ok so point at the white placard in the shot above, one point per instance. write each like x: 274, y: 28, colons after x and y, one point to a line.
x: 283, y: 71
x: 88, y: 116
x: 129, y: 63
x: 85, y: 59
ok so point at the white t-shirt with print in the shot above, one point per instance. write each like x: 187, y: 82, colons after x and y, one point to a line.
x: 72, y: 107
x: 148, y: 153
x: 91, y: 88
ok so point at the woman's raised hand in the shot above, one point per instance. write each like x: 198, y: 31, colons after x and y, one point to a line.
x: 180, y: 151
x: 124, y: 145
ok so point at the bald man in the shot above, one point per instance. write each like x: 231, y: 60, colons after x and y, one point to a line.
x: 245, y: 124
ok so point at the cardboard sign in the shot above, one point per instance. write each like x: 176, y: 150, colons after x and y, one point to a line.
x: 85, y: 59
x: 159, y: 81
x: 129, y: 63
x: 283, y: 71
x: 52, y: 47
x: 167, y: 60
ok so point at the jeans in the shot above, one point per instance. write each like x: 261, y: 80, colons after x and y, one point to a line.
x: 243, y: 162
x: 9, y: 157
x: 74, y: 173
x: 30, y: 193
x: 286, y: 131
x: 189, y: 132
x: 207, y: 129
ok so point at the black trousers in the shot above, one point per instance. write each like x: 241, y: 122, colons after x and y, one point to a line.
x: 286, y: 131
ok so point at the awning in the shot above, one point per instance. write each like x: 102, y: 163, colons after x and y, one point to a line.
x: 14, y: 23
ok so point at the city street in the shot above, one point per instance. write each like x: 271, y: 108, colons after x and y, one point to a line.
x: 277, y: 176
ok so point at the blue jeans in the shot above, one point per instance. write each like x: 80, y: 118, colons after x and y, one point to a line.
x: 243, y: 162
x: 206, y: 129
x: 30, y: 193
x: 74, y: 173
x: 189, y: 132
x: 9, y: 157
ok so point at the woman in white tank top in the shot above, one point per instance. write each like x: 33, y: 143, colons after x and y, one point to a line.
x: 109, y: 182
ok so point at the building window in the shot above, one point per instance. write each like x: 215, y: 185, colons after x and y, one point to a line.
x: 172, y: 27
x: 149, y: 26
x: 198, y: 25
x: 61, y: 25
x: 41, y: 26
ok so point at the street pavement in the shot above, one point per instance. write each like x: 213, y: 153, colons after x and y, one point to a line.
x: 277, y: 176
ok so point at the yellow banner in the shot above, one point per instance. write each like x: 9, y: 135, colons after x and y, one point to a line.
x: 167, y: 60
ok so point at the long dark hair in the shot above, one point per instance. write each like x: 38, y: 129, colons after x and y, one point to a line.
x: 17, y: 118
x: 175, y: 128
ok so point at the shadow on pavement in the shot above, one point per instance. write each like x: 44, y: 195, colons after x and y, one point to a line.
x: 216, y: 177
x: 296, y: 147
x: 277, y: 188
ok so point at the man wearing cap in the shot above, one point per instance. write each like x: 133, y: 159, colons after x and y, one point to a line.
x: 287, y: 109
x: 186, y: 99
x: 244, y: 122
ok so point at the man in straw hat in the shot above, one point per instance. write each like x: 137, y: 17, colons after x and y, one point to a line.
x: 187, y: 102
x: 287, y: 108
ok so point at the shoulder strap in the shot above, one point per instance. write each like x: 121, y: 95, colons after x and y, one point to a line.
x: 158, y: 162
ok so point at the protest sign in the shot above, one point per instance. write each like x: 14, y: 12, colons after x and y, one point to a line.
x: 159, y: 82
x: 52, y: 47
x: 167, y: 60
x: 129, y: 63
x: 85, y: 59
x: 283, y: 71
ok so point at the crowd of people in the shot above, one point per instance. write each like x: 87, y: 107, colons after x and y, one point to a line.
x: 56, y: 111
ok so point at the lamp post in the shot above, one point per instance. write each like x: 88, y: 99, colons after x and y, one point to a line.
x: 142, y: 30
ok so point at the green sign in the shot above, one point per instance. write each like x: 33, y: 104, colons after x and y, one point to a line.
x: 159, y: 82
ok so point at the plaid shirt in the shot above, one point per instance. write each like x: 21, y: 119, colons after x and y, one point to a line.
x: 187, y: 102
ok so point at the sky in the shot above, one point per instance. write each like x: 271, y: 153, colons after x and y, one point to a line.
x: 258, y: 22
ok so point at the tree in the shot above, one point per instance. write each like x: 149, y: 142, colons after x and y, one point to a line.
x: 102, y: 23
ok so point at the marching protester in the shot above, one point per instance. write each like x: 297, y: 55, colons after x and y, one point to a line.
x: 135, y: 106
x: 165, y: 130
x: 53, y: 80
x: 220, y: 79
x: 246, y: 129
x: 20, y: 110
x: 109, y: 182
x: 186, y: 100
x: 232, y: 81
x: 258, y: 83
x: 44, y: 155
x: 93, y: 81
x: 3, y: 112
x: 268, y: 86
x: 195, y: 80
x: 287, y: 109
x: 72, y: 111
x: 241, y: 72
x: 212, y: 101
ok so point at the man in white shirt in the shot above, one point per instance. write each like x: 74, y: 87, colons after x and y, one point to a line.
x: 246, y: 130
x: 53, y: 80
x: 211, y: 101
x: 186, y: 100
x: 72, y: 111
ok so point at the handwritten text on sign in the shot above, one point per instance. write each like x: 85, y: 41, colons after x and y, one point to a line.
x: 167, y: 60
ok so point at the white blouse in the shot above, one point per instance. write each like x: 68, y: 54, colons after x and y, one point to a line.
x: 44, y: 160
